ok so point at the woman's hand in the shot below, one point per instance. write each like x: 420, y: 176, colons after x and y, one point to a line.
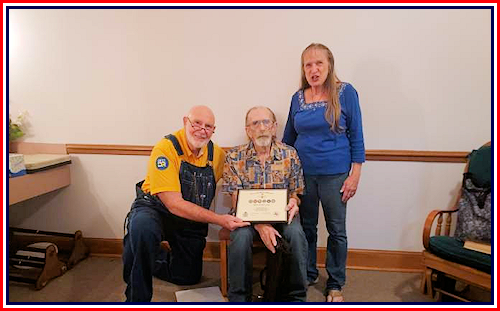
x: 350, y: 185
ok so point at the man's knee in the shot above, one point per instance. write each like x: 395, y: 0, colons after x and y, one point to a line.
x: 296, y: 237
x: 294, y: 231
x: 142, y: 228
x: 242, y: 236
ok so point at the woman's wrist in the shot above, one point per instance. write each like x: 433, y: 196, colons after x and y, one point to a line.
x: 356, y: 170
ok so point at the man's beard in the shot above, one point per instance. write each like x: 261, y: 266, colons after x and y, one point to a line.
x: 263, y: 141
x: 195, y: 142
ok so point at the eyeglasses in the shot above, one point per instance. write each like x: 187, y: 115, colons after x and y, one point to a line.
x: 198, y: 126
x: 255, y: 124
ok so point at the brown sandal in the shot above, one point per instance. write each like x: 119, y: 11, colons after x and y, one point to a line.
x: 334, y: 295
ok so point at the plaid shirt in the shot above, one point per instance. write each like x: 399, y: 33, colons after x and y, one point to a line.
x: 243, y: 170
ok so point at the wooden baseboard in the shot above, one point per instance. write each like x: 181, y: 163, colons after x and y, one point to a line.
x: 401, y: 261
x: 105, y: 247
x: 362, y: 259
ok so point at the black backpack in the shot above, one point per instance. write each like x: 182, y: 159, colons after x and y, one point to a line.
x: 272, y: 277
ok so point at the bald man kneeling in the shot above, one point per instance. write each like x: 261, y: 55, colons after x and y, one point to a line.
x: 172, y: 205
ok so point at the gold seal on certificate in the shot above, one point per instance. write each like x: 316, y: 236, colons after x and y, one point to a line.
x: 262, y: 205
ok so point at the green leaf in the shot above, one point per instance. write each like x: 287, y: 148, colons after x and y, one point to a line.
x: 15, y: 131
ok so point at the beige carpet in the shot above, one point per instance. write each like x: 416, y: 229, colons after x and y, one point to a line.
x: 99, y: 279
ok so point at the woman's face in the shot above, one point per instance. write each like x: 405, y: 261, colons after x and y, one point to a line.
x: 316, y: 67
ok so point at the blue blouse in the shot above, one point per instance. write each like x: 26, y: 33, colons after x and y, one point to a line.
x: 322, y: 151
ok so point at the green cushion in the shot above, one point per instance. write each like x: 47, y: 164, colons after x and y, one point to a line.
x: 480, y: 166
x: 452, y: 249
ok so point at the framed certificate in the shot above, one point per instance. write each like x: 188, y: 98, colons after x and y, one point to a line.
x: 262, y: 205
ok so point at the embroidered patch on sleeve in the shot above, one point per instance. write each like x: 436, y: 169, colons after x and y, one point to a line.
x: 161, y: 163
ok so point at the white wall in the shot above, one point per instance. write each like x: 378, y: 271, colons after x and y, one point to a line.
x: 128, y: 76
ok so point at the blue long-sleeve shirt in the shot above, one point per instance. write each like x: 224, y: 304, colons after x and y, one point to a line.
x: 322, y: 151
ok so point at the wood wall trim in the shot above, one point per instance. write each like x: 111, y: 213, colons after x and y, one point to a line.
x: 109, y: 149
x: 417, y: 156
x: 361, y: 259
x: 371, y: 155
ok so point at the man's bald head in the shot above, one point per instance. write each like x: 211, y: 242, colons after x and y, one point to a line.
x: 202, y: 112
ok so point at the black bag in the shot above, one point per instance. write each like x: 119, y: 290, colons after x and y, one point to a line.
x: 272, y: 278
x: 474, y: 212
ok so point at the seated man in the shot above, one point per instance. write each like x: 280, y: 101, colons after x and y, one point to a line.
x: 265, y: 163
x: 172, y: 205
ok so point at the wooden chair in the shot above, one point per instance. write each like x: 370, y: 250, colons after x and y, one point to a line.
x: 440, y: 274
x: 224, y: 240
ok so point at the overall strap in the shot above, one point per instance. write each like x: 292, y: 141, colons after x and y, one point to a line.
x: 210, y: 151
x: 177, y: 146
x: 174, y: 141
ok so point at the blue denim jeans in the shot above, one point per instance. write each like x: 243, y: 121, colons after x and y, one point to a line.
x: 240, y: 262
x: 325, y: 188
x: 143, y: 257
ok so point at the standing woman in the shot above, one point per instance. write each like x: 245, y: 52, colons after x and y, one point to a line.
x: 324, y: 125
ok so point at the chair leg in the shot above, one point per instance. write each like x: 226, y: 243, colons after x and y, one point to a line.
x: 428, y: 279
x: 439, y: 296
x: 423, y: 287
x: 223, y: 267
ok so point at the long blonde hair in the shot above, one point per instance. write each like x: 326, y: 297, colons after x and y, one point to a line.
x: 332, y: 113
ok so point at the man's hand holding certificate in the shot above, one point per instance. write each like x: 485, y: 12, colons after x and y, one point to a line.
x: 264, y: 206
x: 292, y: 208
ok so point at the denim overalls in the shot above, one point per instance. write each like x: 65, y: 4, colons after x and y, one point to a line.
x: 149, y: 222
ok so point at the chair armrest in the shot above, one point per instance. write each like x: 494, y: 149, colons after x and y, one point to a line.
x: 428, y: 224
x: 224, y: 234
